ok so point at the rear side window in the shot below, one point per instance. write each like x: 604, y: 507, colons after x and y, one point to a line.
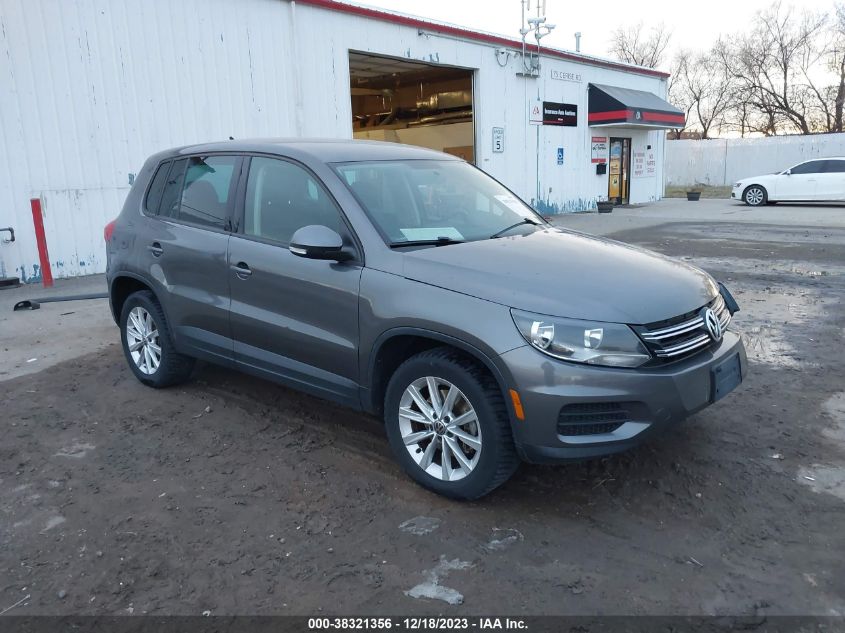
x: 835, y: 166
x: 207, y: 190
x: 172, y: 194
x: 156, y: 189
x: 812, y: 167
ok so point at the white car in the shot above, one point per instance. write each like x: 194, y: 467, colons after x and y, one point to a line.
x: 821, y: 179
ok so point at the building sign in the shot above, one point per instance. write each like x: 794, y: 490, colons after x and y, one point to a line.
x: 535, y: 112
x: 598, y: 149
x: 562, y: 75
x: 644, y: 163
x: 498, y: 139
x: 560, y: 156
x: 565, y: 114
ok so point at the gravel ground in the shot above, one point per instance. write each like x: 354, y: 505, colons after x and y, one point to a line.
x: 230, y: 495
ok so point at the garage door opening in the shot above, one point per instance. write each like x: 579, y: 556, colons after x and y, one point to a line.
x: 412, y: 102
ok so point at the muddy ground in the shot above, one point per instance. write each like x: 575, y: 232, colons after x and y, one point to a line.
x: 231, y: 495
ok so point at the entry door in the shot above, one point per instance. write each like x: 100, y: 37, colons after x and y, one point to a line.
x: 619, y: 169
x: 293, y: 319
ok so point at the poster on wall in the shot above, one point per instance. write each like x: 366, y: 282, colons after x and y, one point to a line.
x: 638, y: 163
x: 643, y: 163
x: 650, y: 163
x: 598, y: 149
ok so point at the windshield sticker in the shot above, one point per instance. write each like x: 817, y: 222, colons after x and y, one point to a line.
x: 432, y: 233
x: 511, y: 203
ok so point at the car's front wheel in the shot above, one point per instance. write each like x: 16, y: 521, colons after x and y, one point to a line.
x: 448, y: 424
x: 755, y: 195
x: 147, y: 344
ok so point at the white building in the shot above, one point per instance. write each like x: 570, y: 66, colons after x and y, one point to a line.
x: 89, y: 89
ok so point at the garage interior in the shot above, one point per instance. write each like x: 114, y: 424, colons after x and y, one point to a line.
x: 405, y: 101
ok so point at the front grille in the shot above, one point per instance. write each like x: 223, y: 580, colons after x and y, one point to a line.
x: 592, y: 418
x: 684, y: 335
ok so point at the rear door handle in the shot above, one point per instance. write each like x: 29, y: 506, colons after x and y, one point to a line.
x: 156, y: 249
x: 241, y: 269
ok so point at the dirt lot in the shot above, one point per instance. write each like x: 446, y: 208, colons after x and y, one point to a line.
x: 235, y: 496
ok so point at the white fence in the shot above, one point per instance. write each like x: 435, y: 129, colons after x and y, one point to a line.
x: 721, y: 162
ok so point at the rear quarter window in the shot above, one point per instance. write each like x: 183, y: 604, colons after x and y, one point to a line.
x: 172, y: 194
x: 153, y: 200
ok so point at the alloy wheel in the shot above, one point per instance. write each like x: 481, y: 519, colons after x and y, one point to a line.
x: 142, y: 340
x: 440, y: 428
x: 754, y: 196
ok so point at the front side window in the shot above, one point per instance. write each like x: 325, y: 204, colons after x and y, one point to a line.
x: 282, y: 197
x: 424, y: 200
x: 811, y: 167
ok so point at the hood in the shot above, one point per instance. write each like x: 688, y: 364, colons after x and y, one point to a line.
x: 567, y: 274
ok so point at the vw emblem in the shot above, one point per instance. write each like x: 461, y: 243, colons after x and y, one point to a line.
x: 714, y: 327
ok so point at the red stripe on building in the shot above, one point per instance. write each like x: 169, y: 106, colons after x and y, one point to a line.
x: 41, y: 240
x: 606, y: 116
x: 664, y: 118
x: 457, y: 31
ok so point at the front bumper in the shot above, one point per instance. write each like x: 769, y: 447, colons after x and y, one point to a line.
x: 656, y: 398
x: 736, y: 193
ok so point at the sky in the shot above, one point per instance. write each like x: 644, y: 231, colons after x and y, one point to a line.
x: 691, y: 26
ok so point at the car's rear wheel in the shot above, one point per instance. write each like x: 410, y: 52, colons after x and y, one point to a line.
x: 147, y: 344
x: 448, y: 425
x: 755, y: 195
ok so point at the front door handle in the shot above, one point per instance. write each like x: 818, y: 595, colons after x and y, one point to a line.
x: 156, y: 249
x: 241, y: 270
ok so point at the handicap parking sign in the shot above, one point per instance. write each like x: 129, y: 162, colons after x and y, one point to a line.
x: 560, y: 156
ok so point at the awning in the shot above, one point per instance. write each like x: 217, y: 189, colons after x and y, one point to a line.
x: 623, y: 107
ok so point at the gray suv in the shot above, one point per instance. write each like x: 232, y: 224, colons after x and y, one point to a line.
x: 408, y: 284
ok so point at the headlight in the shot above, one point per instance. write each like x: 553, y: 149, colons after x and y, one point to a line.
x: 608, y: 344
x: 738, y: 185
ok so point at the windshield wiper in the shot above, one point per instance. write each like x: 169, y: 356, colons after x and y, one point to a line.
x: 440, y: 241
x: 513, y: 226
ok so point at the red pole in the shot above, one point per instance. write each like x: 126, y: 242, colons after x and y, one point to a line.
x: 41, y: 239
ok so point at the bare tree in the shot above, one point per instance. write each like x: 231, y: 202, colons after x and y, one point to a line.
x: 704, y: 87
x: 635, y: 45
x: 772, y: 67
x: 836, y: 65
x: 676, y: 92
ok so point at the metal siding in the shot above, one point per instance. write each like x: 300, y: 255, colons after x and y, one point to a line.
x: 93, y: 87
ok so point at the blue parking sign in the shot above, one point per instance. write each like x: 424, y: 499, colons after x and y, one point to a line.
x: 560, y: 156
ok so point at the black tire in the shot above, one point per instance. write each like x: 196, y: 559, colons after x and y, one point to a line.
x: 174, y: 367
x: 755, y: 195
x: 497, y: 460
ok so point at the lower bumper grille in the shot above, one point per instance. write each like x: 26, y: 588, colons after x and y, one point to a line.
x: 593, y: 418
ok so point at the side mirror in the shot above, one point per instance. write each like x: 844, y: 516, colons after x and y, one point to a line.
x: 788, y: 172
x: 318, y: 242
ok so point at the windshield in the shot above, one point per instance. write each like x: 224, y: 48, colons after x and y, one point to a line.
x: 434, y: 200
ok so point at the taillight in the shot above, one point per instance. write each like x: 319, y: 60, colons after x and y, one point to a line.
x: 107, y: 232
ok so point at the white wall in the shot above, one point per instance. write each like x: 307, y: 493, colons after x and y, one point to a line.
x: 90, y: 89
x: 722, y: 162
